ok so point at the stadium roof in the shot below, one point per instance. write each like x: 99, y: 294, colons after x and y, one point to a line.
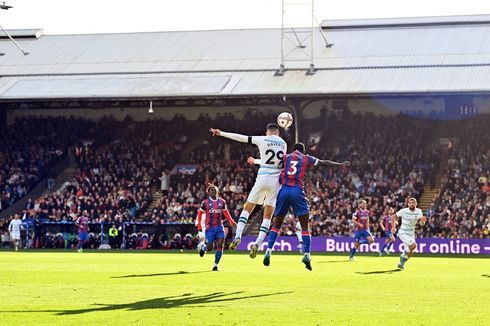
x: 369, y: 56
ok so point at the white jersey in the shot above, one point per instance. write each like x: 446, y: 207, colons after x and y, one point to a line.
x: 409, y: 220
x: 15, y: 226
x: 272, y: 150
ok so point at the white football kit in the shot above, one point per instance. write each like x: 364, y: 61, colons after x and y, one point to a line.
x: 14, y: 228
x: 272, y: 150
x: 409, y: 222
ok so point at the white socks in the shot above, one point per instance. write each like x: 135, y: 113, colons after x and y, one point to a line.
x: 242, y: 221
x: 264, y: 229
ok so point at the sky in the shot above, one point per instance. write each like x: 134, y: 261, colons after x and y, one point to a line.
x: 116, y: 16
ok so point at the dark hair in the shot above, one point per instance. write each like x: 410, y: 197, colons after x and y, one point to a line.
x: 299, y: 147
x: 272, y: 126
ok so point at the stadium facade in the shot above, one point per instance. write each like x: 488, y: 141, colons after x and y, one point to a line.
x: 434, y: 63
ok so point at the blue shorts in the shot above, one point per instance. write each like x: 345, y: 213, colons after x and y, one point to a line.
x: 362, y: 234
x: 291, y: 197
x: 83, y: 235
x: 215, y: 233
x: 388, y: 234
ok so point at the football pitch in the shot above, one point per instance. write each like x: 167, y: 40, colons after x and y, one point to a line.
x: 140, y: 288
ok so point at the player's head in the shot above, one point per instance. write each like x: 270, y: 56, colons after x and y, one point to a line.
x: 412, y: 203
x: 16, y: 216
x: 272, y: 129
x: 390, y: 210
x: 362, y: 204
x: 212, y: 191
x: 299, y: 147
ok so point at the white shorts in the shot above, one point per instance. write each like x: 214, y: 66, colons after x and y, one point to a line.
x: 14, y: 236
x: 265, y: 190
x: 407, y: 239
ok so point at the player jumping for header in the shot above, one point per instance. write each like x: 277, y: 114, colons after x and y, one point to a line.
x: 214, y: 208
x: 361, y: 219
x: 292, y: 194
x: 410, y: 216
x: 264, y: 192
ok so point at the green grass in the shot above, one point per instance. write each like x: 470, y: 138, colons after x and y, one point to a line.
x: 49, y: 288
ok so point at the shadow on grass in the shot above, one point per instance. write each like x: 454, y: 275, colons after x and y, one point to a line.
x: 486, y: 275
x: 160, y: 274
x: 333, y: 261
x: 184, y: 300
x: 390, y: 271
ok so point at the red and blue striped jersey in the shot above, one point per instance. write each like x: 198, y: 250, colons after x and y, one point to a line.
x: 387, y: 222
x: 362, y: 216
x: 295, y: 166
x: 82, y: 222
x: 214, y: 211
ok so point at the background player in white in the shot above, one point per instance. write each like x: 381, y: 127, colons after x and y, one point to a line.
x: 298, y: 234
x: 410, y: 216
x: 14, y: 229
x: 264, y: 192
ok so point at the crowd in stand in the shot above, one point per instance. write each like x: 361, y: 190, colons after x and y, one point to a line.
x: 30, y: 148
x: 462, y: 207
x: 114, y: 181
x: 117, y: 177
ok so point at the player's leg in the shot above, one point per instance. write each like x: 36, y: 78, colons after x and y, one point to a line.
x: 410, y: 246
x: 391, y: 241
x: 369, y: 237
x: 242, y: 221
x: 81, y: 240
x: 278, y: 220
x: 301, y: 208
x: 208, y: 245
x: 300, y: 240
x: 264, y: 229
x: 357, y: 243
x: 384, y: 246
x: 255, y: 197
x: 305, y: 235
x: 220, y: 239
x: 271, y: 191
x: 17, y: 241
x: 219, y: 253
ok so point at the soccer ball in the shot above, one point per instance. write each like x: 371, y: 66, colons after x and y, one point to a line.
x: 285, y: 120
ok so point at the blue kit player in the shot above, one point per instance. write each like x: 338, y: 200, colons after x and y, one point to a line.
x: 386, y: 226
x: 214, y: 209
x: 82, y: 224
x: 361, y: 219
x: 292, y: 195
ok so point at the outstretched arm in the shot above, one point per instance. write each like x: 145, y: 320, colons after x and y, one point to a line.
x: 332, y: 163
x: 253, y: 161
x: 229, y: 218
x: 236, y: 137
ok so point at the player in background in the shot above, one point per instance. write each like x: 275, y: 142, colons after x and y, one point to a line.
x: 410, y: 216
x: 298, y: 232
x: 82, y: 224
x: 292, y: 195
x: 200, y: 224
x: 386, y: 227
x: 264, y: 192
x: 214, y: 209
x: 14, y: 228
x: 361, y: 220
